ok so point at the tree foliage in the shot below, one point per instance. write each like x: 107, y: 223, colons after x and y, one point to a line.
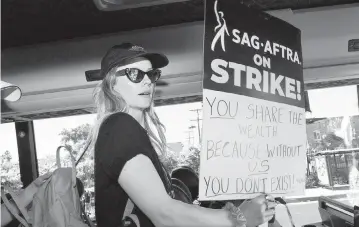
x: 75, y: 140
x: 193, y: 159
x: 332, y: 142
x: 10, y: 172
x: 170, y: 162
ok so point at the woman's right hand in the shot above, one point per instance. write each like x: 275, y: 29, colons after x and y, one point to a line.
x: 258, y: 210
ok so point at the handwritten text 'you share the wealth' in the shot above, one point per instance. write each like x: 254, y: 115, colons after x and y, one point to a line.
x: 263, y: 122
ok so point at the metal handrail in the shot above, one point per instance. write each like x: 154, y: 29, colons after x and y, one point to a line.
x: 339, y: 151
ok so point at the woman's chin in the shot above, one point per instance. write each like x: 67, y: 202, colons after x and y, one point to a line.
x: 142, y: 106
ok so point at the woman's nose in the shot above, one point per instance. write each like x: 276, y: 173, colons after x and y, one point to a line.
x: 146, y: 79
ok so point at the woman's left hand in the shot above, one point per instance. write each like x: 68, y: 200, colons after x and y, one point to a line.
x: 258, y: 210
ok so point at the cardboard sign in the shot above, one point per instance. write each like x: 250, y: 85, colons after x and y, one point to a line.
x: 254, y: 130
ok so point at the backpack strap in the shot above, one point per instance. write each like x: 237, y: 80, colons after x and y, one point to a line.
x: 87, y: 146
x: 168, y: 182
x: 129, y: 208
x: 135, y: 219
x: 58, y: 162
x: 73, y: 165
x: 128, y: 212
x: 23, y: 220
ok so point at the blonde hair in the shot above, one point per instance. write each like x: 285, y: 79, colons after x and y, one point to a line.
x: 109, y: 102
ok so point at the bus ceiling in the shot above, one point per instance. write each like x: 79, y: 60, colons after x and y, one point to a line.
x: 63, y: 40
x: 39, y: 21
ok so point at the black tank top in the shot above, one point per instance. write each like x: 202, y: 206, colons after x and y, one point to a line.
x: 120, y: 139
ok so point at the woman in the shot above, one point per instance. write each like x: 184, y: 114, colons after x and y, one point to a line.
x: 128, y: 138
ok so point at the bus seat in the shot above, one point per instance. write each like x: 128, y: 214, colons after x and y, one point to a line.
x: 181, y: 191
x: 189, y: 177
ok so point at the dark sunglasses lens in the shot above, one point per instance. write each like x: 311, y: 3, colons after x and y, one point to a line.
x: 154, y: 75
x: 135, y: 75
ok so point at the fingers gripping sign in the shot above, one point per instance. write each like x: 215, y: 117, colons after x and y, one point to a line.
x: 259, y: 210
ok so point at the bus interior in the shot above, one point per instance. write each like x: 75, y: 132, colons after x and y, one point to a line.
x: 51, y: 48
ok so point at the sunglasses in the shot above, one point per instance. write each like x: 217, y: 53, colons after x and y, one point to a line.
x: 137, y: 75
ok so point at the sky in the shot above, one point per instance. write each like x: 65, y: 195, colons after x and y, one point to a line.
x: 334, y: 102
x: 329, y: 102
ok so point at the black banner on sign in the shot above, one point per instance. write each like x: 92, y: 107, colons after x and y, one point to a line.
x: 251, y: 53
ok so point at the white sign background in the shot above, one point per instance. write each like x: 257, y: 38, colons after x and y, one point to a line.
x: 242, y: 171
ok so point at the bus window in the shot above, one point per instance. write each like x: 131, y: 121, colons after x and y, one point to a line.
x: 182, y: 133
x: 50, y: 133
x: 332, y: 126
x: 333, y: 139
x: 10, y: 170
x: 333, y: 102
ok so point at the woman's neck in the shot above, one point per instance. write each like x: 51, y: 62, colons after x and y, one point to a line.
x: 138, y: 115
